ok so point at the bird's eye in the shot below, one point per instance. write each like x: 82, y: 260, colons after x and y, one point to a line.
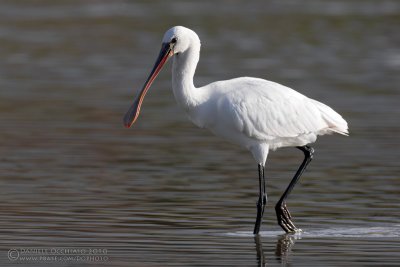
x: 173, y: 41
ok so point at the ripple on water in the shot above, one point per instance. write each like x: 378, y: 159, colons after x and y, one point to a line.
x: 351, y: 232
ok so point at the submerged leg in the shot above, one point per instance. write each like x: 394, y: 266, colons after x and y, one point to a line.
x: 282, y: 212
x: 262, y: 199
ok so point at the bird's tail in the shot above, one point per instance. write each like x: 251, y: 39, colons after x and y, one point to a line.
x: 335, y: 121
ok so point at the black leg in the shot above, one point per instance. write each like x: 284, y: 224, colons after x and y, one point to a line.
x: 282, y: 213
x: 262, y: 199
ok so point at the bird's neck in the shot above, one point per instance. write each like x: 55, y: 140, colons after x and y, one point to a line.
x: 183, y: 69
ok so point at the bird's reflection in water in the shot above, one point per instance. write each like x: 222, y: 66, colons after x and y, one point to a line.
x: 283, y: 248
x: 260, y: 251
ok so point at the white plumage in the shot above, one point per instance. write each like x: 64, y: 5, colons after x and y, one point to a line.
x: 257, y: 114
x: 254, y: 112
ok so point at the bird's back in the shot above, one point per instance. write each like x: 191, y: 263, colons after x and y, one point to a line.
x: 247, y: 110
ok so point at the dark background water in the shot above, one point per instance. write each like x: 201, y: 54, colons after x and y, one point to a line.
x: 165, y: 193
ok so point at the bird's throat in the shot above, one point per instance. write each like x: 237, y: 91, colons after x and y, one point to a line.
x: 183, y: 69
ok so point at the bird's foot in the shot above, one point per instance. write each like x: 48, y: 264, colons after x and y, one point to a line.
x: 285, y: 219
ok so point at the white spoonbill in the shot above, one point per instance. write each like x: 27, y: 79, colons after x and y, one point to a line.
x: 256, y: 114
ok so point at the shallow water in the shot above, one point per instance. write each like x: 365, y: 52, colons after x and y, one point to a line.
x: 165, y: 193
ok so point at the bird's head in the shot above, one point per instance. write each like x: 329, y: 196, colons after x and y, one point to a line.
x: 180, y: 39
x: 176, y: 40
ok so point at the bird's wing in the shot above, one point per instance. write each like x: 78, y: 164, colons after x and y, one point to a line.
x: 265, y: 110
